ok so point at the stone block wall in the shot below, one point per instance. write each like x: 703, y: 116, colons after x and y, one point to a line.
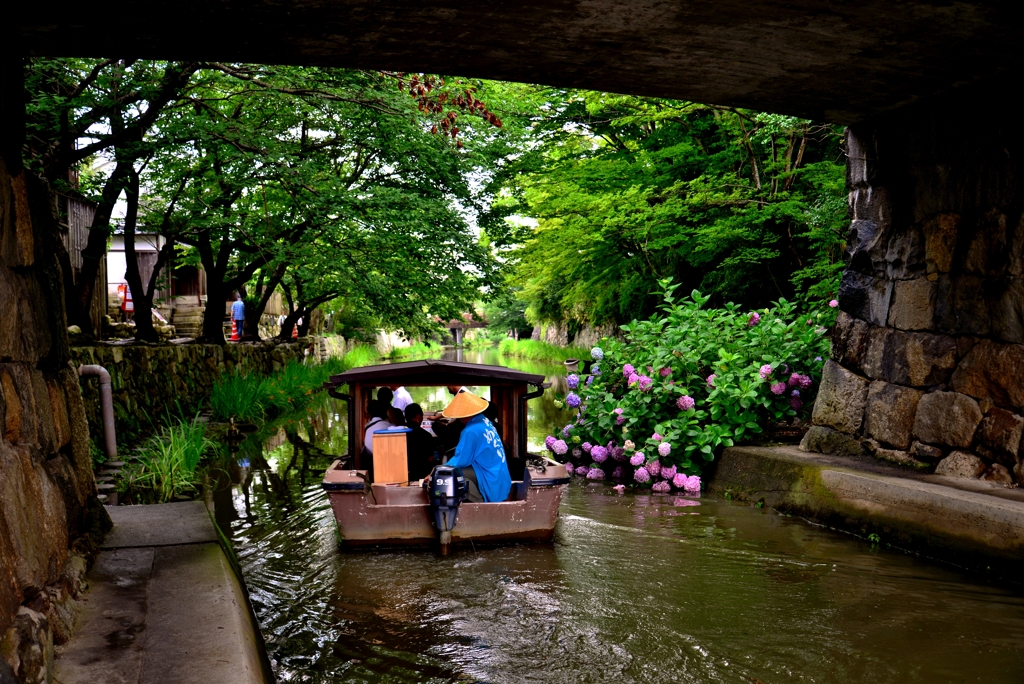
x: 148, y: 381
x: 928, y: 350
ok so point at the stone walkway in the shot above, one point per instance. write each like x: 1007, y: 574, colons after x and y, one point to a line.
x: 164, y: 606
x: 969, y: 522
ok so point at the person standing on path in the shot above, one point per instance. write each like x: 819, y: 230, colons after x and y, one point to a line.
x: 238, y: 312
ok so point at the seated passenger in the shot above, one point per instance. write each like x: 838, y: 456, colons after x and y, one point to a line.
x: 385, y: 395
x: 378, y: 421
x: 420, y: 445
x: 479, y: 452
x: 395, y: 416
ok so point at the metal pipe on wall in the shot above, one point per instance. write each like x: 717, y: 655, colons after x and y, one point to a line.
x: 106, y: 407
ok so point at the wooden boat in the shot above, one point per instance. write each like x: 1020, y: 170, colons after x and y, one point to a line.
x: 399, y: 514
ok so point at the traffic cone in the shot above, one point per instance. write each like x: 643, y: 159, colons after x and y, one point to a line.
x: 234, y: 330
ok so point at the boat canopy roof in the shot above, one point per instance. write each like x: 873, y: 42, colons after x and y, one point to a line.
x: 433, y: 373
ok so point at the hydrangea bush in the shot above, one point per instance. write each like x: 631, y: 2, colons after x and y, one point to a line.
x: 689, y: 382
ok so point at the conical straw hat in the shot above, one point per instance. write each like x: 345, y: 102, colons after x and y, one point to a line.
x: 464, y: 405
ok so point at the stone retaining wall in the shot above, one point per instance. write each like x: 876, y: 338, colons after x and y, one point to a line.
x: 928, y: 352
x: 147, y: 381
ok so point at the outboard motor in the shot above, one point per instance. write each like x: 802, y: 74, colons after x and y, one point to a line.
x: 446, y: 491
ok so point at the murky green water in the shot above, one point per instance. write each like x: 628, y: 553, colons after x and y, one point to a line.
x: 635, y: 588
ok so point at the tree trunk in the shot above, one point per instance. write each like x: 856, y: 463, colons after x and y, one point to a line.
x: 251, y: 327
x: 143, y: 304
x: 213, y: 315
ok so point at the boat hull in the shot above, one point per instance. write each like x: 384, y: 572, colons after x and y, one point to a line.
x: 391, y: 515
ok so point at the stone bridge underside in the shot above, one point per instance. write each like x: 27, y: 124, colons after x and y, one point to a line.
x: 840, y: 62
x: 929, y: 348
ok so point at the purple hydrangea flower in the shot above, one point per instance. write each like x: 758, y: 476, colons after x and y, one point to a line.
x: 795, y: 393
x: 665, y: 372
x: 573, y: 400
x: 685, y: 402
x: 778, y: 388
x: 618, y: 473
x: 817, y: 358
x: 581, y: 471
x: 618, y: 453
x: 577, y: 452
x: 610, y: 445
x: 794, y: 380
x: 620, y: 420
x: 755, y: 318
x: 559, y: 447
x: 796, y: 403
x: 569, y: 468
x: 633, y: 379
x: 805, y: 381
x: 565, y: 430
x: 711, y: 380
x: 679, y: 480
x: 595, y: 474
x: 645, y: 383
x: 637, y: 459
x: 597, y: 354
x: 668, y: 472
x: 599, y: 454
x: 573, y: 381
x: 656, y: 437
x: 654, y: 467
x: 661, y: 487
x: 664, y: 449
x: 628, y: 370
x: 548, y: 442
x: 595, y: 370
x: 641, y: 475
x: 766, y: 371
x: 590, y: 379
x: 587, y: 446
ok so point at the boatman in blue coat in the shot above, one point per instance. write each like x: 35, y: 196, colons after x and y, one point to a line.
x: 479, y: 453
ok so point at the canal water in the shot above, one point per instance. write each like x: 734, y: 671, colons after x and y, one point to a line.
x: 635, y: 588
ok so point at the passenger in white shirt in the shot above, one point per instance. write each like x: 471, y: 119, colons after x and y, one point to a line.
x: 402, y: 397
x: 378, y: 411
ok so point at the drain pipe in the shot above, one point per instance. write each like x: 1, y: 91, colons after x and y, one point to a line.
x: 106, y: 405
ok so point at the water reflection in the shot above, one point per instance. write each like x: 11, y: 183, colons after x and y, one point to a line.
x: 635, y: 588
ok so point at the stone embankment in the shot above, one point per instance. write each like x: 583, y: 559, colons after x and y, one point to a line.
x: 150, y: 380
x: 971, y: 523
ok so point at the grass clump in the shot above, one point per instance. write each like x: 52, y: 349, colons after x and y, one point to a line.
x: 418, y: 350
x: 168, y: 463
x: 239, y: 396
x: 540, y: 351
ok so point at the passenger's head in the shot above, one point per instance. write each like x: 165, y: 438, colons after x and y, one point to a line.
x: 377, y: 409
x: 454, y: 389
x: 413, y: 415
x: 395, y: 416
x: 385, y: 394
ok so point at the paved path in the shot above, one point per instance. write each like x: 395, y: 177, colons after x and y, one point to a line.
x: 164, y: 606
x: 969, y: 522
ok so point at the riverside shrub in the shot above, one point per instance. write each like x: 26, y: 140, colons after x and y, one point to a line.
x: 679, y: 387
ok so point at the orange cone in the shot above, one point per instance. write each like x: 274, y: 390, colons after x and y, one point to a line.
x: 234, y: 330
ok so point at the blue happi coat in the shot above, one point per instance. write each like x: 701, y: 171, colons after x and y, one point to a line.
x: 480, y: 447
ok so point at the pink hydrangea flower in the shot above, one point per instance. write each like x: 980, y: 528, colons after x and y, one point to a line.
x: 685, y: 402
x: 549, y: 442
x: 599, y: 454
x: 656, y: 437
x: 618, y: 453
x: 582, y: 471
x: 569, y: 468
x: 668, y: 472
x: 645, y: 383
x: 633, y: 379
x: 617, y: 411
x: 665, y: 372
x: 711, y: 380
x: 834, y: 303
x: 641, y: 475
x: 637, y: 459
x: 664, y: 449
x: 778, y: 388
x: 619, y: 488
x: 560, y: 447
x: 766, y: 371
x: 693, y: 484
x: 679, y: 480
x: 805, y: 381
x: 755, y: 318
x: 587, y: 446
x: 620, y: 420
x: 628, y: 370
x: 595, y: 474
x: 661, y: 487
x: 654, y: 467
